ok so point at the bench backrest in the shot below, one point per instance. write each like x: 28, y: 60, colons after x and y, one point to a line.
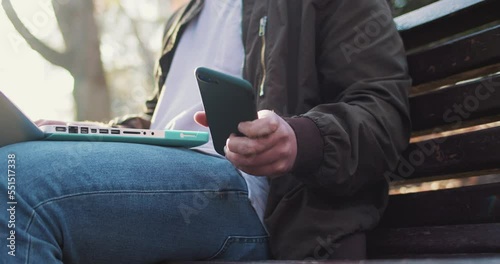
x: 453, y: 50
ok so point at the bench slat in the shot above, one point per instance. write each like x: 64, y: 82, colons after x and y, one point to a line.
x: 461, y: 239
x: 478, y: 98
x: 473, y: 151
x: 428, y: 12
x: 474, y: 51
x: 465, y: 205
x: 460, y: 21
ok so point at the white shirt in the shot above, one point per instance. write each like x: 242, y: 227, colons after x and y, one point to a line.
x: 212, y: 40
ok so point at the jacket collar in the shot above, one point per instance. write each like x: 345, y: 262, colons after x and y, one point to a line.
x: 182, y: 17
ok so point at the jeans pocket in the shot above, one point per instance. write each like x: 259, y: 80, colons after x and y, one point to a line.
x: 243, y: 248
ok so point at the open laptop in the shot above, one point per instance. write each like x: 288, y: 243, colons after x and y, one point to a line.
x: 17, y: 127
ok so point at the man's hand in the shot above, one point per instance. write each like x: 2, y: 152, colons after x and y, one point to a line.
x: 269, y: 148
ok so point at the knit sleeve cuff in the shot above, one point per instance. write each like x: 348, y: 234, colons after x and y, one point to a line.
x: 309, y: 145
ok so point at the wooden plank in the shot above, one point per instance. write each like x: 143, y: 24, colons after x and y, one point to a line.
x: 465, y: 176
x: 444, y: 26
x: 474, y: 51
x: 478, y: 150
x: 428, y: 12
x: 424, y: 88
x: 461, y: 239
x: 457, y: 104
x: 465, y: 205
x: 451, y: 128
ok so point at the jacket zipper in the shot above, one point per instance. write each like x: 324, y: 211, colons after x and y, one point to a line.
x: 262, y: 35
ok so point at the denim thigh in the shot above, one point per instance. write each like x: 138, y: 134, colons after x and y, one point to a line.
x: 96, y: 202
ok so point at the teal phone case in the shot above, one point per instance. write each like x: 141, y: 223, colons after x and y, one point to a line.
x: 172, y: 138
x: 228, y: 101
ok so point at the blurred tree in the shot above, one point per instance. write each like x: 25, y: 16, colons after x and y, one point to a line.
x: 130, y: 38
x: 82, y: 57
x: 110, y: 48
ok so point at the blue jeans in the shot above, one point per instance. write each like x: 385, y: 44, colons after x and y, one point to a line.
x: 84, y: 202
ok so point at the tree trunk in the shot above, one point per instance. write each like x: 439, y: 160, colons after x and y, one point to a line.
x: 92, y: 103
x: 79, y: 29
x: 82, y: 57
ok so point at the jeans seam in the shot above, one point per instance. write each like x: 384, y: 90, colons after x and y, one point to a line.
x: 68, y: 196
x: 28, y: 249
x: 232, y: 239
x: 62, y: 197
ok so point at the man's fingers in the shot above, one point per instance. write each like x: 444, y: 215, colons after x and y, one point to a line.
x: 272, y: 161
x: 269, y: 148
x: 201, y: 118
x: 265, y: 125
x: 251, y: 162
x: 276, y: 168
x: 249, y: 146
x: 267, y: 156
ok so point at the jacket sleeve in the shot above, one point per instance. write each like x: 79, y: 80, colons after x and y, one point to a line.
x: 362, y: 125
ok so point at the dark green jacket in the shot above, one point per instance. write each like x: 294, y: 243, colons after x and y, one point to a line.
x: 336, y: 69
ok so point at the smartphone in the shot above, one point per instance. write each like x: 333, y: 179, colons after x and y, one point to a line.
x: 228, y: 101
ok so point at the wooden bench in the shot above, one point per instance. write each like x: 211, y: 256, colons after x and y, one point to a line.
x: 454, y: 59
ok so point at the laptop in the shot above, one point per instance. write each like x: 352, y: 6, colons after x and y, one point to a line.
x: 17, y: 127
